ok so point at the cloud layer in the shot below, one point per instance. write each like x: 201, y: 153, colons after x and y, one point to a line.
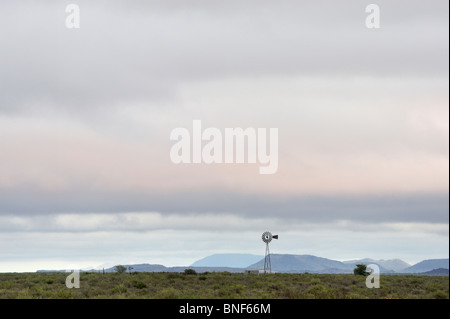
x: 144, y: 51
x: 86, y: 115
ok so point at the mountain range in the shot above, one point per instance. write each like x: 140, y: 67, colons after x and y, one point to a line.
x: 230, y: 260
x: 395, y: 265
x: 314, y: 264
x: 288, y: 263
x: 428, y: 265
x: 304, y: 263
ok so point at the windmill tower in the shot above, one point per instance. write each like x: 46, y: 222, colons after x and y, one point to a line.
x: 267, y: 238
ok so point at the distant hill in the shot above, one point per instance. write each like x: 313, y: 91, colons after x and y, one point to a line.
x: 160, y: 268
x: 428, y: 265
x: 304, y: 263
x: 291, y: 264
x: 390, y: 265
x: 435, y: 272
x: 228, y: 260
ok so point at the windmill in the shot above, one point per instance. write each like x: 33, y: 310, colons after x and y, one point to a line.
x: 267, y: 238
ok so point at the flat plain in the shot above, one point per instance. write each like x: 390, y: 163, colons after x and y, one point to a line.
x: 220, y: 285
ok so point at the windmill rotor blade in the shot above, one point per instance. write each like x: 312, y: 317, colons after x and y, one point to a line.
x: 266, y: 237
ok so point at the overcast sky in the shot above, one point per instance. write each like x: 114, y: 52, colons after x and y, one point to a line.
x: 86, y: 115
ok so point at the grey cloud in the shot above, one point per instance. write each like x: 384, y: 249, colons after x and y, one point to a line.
x: 152, y: 221
x: 431, y: 208
x: 143, y: 50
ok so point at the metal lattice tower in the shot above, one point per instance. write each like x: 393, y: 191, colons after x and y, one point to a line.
x: 267, y: 238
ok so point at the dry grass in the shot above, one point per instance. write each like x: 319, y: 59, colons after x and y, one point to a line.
x: 221, y: 285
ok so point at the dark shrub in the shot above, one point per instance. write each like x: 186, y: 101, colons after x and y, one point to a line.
x: 360, y: 270
x: 190, y: 272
